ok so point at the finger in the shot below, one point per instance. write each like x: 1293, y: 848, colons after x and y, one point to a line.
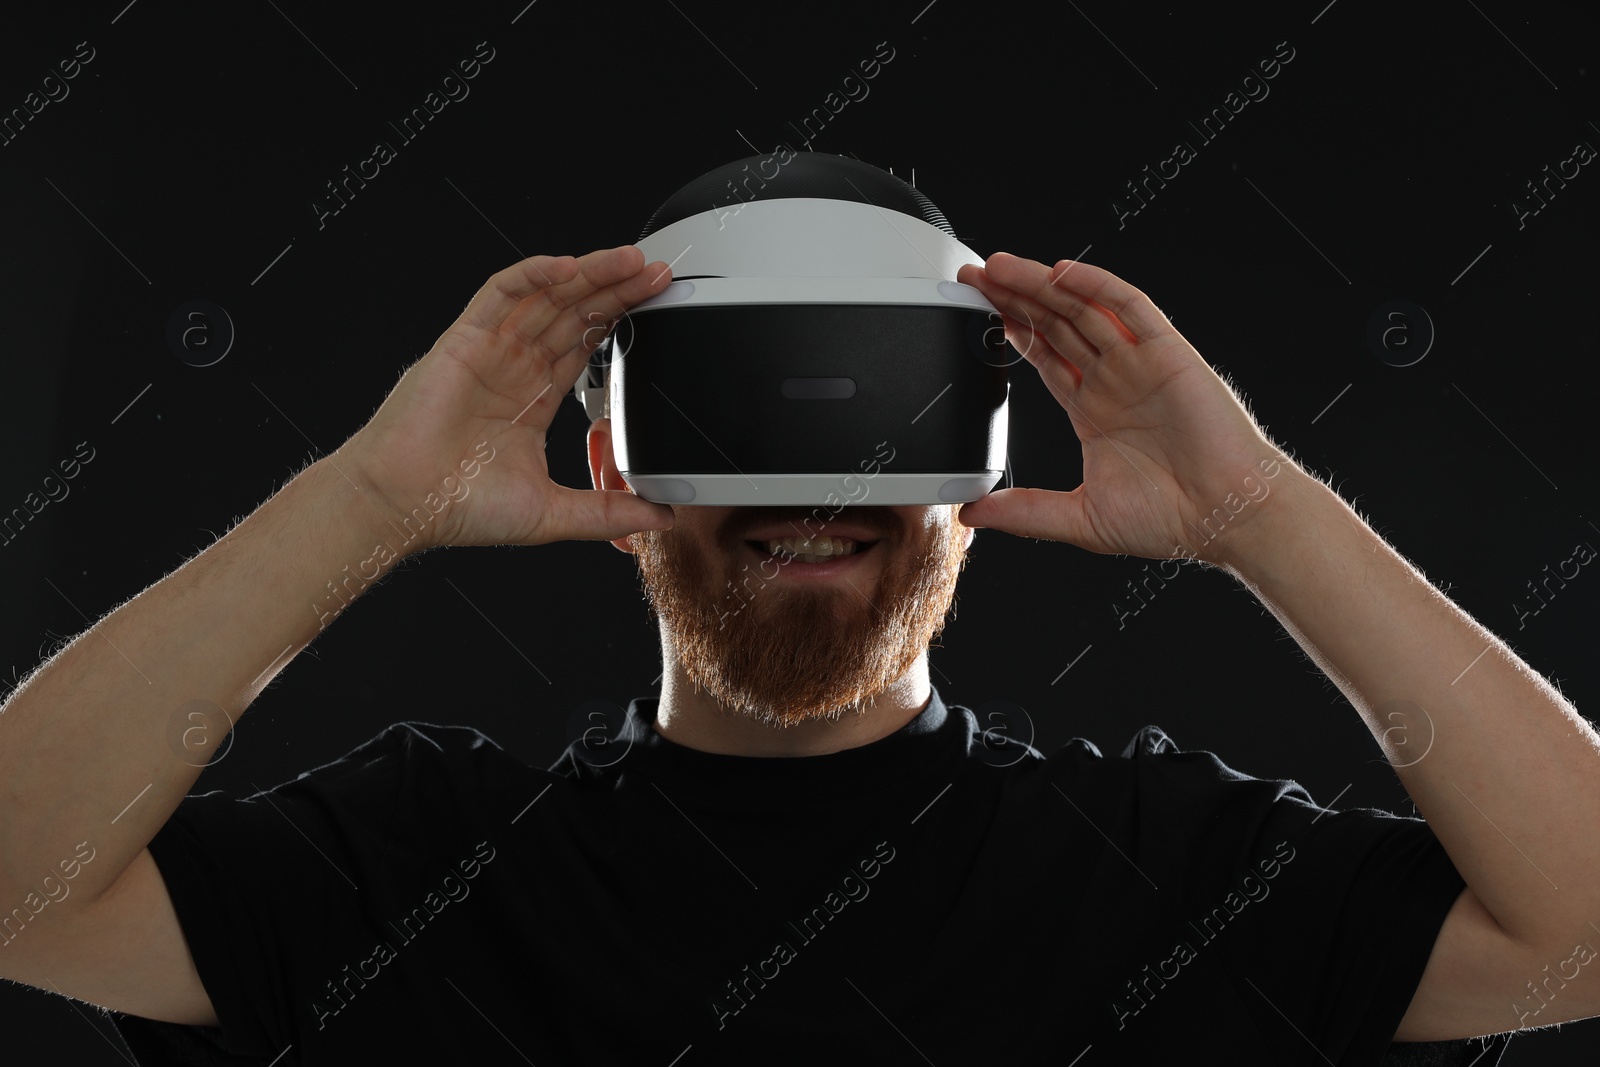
x: 607, y: 514
x: 546, y: 304
x: 1051, y: 327
x: 507, y: 288
x: 593, y: 319
x: 596, y: 271
x: 560, y: 319
x: 598, y: 313
x: 1059, y: 373
x: 570, y: 335
x: 1045, y: 513
x: 1126, y: 304
x: 1100, y: 323
x: 1042, y: 348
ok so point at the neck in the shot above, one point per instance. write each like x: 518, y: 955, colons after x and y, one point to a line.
x: 691, y: 717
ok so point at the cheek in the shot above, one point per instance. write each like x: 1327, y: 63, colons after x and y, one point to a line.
x: 928, y: 561
x: 684, y: 555
x: 947, y: 539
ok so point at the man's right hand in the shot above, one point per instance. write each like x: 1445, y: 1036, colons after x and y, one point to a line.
x: 490, y: 387
x: 103, y: 727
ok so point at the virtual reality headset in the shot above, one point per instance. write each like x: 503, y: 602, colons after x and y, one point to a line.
x: 812, y: 348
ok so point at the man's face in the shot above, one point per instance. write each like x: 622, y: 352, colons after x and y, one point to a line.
x: 783, y: 646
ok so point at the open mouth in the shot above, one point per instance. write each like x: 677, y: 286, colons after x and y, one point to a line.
x: 822, y: 551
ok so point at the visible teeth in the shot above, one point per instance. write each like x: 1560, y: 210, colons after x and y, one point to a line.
x: 812, y: 549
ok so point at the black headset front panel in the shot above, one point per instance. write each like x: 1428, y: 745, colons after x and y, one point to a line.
x: 808, y: 388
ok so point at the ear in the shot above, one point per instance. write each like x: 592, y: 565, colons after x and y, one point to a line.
x: 603, y: 468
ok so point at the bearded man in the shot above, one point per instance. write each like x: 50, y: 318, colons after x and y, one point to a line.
x: 802, y: 854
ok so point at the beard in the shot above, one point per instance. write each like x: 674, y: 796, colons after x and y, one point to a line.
x: 783, y: 651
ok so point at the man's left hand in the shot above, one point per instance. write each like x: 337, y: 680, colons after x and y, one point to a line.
x: 1166, y: 442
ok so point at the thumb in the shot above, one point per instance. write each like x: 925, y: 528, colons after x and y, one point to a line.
x: 1045, y: 513
x: 607, y: 514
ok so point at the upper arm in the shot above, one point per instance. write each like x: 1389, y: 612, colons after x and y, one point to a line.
x: 124, y: 951
x: 1478, y: 980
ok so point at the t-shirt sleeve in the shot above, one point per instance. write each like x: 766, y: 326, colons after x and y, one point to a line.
x: 1323, y: 920
x: 267, y: 886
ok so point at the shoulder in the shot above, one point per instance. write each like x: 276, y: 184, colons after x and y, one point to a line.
x: 413, y: 742
x: 407, y: 765
x: 437, y: 737
x: 1197, y: 817
x: 1153, y: 766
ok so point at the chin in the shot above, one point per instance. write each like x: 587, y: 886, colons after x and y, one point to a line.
x: 786, y: 652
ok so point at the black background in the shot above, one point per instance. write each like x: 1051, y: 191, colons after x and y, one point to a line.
x: 1382, y: 166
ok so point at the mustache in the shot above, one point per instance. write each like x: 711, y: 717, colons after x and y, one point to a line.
x: 878, y: 520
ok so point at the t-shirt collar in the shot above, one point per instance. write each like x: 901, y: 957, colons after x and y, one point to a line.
x: 933, y: 734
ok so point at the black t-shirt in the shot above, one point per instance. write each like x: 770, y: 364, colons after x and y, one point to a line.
x: 941, y: 895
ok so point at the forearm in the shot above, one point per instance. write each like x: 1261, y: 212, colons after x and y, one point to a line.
x: 1511, y: 782
x: 98, y: 745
